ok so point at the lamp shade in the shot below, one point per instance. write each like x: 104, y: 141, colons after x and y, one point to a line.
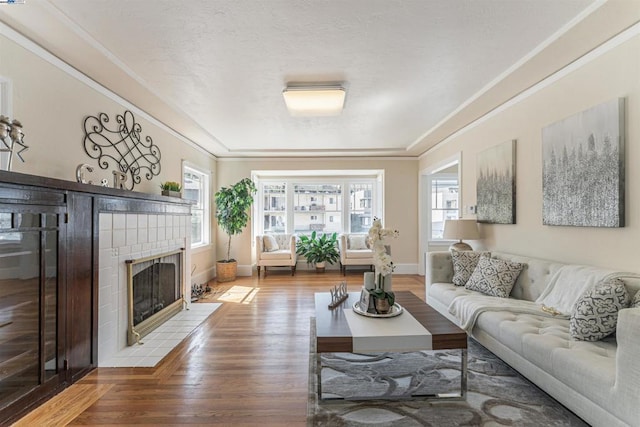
x: 458, y: 229
x: 314, y: 101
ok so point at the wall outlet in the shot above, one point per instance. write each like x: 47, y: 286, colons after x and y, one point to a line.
x: 473, y: 209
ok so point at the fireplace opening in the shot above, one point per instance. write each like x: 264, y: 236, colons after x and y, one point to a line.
x: 155, y: 292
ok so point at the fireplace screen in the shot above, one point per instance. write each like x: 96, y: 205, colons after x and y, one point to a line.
x: 155, y: 292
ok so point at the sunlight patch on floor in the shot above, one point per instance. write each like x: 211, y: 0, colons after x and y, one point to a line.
x: 239, y: 294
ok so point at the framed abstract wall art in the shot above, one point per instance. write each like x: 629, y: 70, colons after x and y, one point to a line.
x: 583, y: 168
x: 496, y: 184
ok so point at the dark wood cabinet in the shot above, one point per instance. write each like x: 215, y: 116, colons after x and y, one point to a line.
x: 49, y: 236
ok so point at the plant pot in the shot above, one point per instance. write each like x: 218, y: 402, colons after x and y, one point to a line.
x: 320, y: 266
x: 226, y: 271
x: 172, y: 193
x: 382, y: 305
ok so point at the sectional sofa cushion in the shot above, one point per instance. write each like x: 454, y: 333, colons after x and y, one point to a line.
x: 464, y: 262
x: 595, y: 314
x: 494, y: 277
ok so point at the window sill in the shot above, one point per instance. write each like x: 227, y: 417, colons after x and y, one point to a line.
x: 201, y: 248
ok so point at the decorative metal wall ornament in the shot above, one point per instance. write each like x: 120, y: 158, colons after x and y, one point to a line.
x: 12, y: 130
x: 122, y: 147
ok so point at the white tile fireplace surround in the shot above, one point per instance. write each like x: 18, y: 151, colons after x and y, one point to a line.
x: 126, y: 236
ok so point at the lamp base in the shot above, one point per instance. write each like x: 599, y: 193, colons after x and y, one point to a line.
x: 460, y: 246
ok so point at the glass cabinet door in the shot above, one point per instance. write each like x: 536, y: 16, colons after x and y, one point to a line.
x: 28, y: 302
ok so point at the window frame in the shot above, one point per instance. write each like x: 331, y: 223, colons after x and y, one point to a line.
x: 431, y: 178
x: 343, y: 178
x: 203, y: 205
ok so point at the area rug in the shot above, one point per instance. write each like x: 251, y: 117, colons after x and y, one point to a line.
x: 497, y: 395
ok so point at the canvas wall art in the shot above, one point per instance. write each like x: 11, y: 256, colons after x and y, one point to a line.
x: 496, y: 184
x: 583, y: 168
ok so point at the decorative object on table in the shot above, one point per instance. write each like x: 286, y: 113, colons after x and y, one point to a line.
x: 122, y: 148
x: 496, y: 184
x: 384, y: 298
x: 171, y: 188
x: 360, y: 307
x: 583, y: 168
x: 459, y: 229
x: 319, y: 250
x: 11, y: 131
x: 232, y: 213
x: 369, y: 280
x: 339, y: 293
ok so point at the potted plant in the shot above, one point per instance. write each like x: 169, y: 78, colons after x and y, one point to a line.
x: 232, y: 213
x: 318, y: 250
x: 171, y: 188
x: 383, y: 295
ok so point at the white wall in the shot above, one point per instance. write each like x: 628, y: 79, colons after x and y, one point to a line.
x: 614, y: 74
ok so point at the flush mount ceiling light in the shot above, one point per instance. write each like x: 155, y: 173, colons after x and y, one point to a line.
x: 314, y: 100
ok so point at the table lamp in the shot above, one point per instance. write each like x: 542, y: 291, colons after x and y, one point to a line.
x: 458, y: 229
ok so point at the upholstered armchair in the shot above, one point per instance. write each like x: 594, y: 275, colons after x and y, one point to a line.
x: 354, y: 250
x: 276, y: 250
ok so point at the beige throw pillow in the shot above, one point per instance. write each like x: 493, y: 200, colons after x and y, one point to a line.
x: 270, y: 243
x: 357, y: 242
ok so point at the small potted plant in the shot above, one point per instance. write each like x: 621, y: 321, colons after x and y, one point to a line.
x: 171, y: 188
x: 318, y: 250
x: 232, y: 213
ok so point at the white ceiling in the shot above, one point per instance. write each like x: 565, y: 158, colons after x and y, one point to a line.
x: 415, y: 70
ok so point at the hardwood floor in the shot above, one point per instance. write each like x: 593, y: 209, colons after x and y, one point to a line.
x: 247, y: 364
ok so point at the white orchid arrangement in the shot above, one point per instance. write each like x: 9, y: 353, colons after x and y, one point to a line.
x: 381, y: 259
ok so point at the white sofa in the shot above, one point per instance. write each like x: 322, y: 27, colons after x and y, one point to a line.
x: 599, y: 381
x: 284, y: 256
x: 354, y: 255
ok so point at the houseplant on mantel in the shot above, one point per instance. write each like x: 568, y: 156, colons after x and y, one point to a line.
x: 232, y: 213
x: 171, y: 188
x: 318, y: 250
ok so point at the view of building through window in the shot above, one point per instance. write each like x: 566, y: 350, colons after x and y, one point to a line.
x: 313, y: 204
x: 274, y: 208
x: 444, y: 203
x: 196, y: 187
x: 303, y: 205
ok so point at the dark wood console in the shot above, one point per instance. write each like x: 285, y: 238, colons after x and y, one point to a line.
x: 49, y: 281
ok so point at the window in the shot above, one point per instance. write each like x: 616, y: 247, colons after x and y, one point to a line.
x: 360, y: 202
x: 444, y: 202
x: 196, y: 188
x: 274, y: 197
x: 311, y: 202
x: 321, y: 201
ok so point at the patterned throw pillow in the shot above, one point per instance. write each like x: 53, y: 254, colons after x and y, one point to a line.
x: 595, y: 315
x: 357, y: 242
x: 464, y: 262
x: 635, y: 303
x: 494, y: 277
x: 270, y: 243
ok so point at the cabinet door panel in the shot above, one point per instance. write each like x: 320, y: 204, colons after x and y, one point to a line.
x: 80, y: 293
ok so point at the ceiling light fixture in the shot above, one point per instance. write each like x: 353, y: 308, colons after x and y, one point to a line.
x: 309, y: 101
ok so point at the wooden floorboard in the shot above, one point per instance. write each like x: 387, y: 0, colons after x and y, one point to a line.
x: 246, y: 365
